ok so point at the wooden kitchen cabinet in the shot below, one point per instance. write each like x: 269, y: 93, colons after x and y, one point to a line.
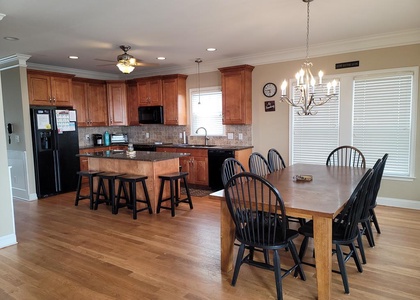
x: 237, y: 94
x: 49, y: 89
x: 196, y: 164
x: 89, y: 99
x: 149, y: 91
x: 132, y: 104
x: 117, y: 103
x: 174, y: 93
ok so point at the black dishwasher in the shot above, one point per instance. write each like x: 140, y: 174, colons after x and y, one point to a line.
x: 216, y: 159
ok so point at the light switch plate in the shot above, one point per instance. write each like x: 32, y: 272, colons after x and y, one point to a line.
x: 241, y: 136
x: 230, y: 136
x: 147, y: 135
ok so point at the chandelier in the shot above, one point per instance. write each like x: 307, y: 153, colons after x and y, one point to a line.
x: 306, y: 84
x: 198, y: 61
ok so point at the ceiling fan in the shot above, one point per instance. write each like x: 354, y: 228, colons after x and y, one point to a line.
x: 126, y: 62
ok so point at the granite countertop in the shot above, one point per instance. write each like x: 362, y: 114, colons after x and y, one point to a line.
x: 186, y: 146
x: 136, y: 155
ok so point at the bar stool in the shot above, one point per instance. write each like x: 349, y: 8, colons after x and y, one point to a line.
x: 173, y: 179
x: 89, y: 174
x: 108, y: 197
x: 131, y: 197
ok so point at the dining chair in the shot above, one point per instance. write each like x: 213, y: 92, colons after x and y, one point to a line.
x: 276, y: 163
x: 345, y: 229
x: 231, y: 166
x: 275, y: 160
x: 260, y: 226
x: 258, y: 164
x: 347, y: 156
x: 375, y: 193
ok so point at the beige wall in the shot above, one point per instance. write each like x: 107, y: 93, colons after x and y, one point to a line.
x: 271, y: 129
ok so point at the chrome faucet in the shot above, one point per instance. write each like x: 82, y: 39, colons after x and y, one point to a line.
x: 205, y: 135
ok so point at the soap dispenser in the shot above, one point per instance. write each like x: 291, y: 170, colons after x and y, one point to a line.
x: 106, y: 138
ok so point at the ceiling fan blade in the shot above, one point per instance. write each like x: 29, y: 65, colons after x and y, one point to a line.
x: 144, y: 64
x: 106, y: 65
x: 107, y: 60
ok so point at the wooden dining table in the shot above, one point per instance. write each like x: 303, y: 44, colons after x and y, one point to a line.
x: 320, y: 200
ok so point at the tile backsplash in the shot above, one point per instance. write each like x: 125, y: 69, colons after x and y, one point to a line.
x: 148, y: 134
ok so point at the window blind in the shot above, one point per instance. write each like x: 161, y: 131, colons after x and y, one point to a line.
x: 382, y: 120
x: 208, y: 113
x: 313, y: 137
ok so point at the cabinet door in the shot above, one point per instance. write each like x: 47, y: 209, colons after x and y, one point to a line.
x: 200, y: 170
x: 117, y: 104
x: 155, y: 91
x: 132, y: 105
x: 97, y: 105
x: 237, y: 94
x: 39, y: 89
x: 61, y: 91
x: 143, y: 92
x: 174, y: 99
x: 79, y: 103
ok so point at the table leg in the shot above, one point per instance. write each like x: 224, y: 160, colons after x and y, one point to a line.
x: 323, y: 255
x: 227, y: 238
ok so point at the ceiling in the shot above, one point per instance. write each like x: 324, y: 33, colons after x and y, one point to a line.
x: 243, y: 31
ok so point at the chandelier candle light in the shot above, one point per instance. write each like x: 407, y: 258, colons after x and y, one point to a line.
x: 306, y: 83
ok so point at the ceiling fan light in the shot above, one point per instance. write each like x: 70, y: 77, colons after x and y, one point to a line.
x: 125, y: 68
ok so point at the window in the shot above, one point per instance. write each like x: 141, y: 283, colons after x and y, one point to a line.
x: 382, y: 119
x: 375, y: 113
x: 314, y: 136
x: 206, y: 110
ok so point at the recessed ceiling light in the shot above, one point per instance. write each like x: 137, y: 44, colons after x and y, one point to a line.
x: 11, y: 38
x: 73, y: 57
x: 161, y: 58
x: 211, y: 49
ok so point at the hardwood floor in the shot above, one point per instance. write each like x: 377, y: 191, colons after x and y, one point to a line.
x: 68, y: 252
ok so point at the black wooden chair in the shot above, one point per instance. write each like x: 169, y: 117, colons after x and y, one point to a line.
x: 347, y: 156
x: 275, y: 160
x: 230, y: 167
x: 258, y: 164
x: 377, y: 185
x: 345, y: 229
x: 260, y: 226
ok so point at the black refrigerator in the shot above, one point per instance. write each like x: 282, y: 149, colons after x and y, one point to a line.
x: 55, y: 144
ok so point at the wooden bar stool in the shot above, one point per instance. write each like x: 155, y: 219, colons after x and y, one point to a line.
x: 89, y: 174
x: 108, y: 196
x: 173, y: 179
x: 131, y: 199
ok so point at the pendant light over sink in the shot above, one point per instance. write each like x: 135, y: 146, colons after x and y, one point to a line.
x: 198, y: 61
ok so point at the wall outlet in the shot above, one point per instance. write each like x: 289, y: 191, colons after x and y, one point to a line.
x: 147, y: 135
x: 87, y: 137
x: 180, y: 135
x: 241, y: 136
x: 230, y: 136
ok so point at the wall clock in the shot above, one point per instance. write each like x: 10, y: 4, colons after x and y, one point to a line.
x: 269, y: 89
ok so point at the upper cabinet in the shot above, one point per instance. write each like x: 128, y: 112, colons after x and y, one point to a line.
x: 117, y: 103
x: 89, y: 100
x: 51, y: 89
x: 149, y: 91
x: 174, y: 92
x: 237, y: 94
x: 132, y: 104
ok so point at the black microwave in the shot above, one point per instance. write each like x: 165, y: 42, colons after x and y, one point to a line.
x: 151, y: 114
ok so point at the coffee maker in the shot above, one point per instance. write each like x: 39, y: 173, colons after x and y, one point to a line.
x: 97, y: 139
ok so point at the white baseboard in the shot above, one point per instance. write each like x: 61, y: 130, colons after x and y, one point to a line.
x: 8, y: 240
x: 402, y: 203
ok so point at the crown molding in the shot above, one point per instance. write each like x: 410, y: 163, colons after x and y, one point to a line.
x: 394, y: 39
x: 13, y: 61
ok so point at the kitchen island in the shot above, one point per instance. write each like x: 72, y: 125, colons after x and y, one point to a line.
x: 151, y: 164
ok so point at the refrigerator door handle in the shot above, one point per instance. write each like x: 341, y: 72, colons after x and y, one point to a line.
x: 57, y: 171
